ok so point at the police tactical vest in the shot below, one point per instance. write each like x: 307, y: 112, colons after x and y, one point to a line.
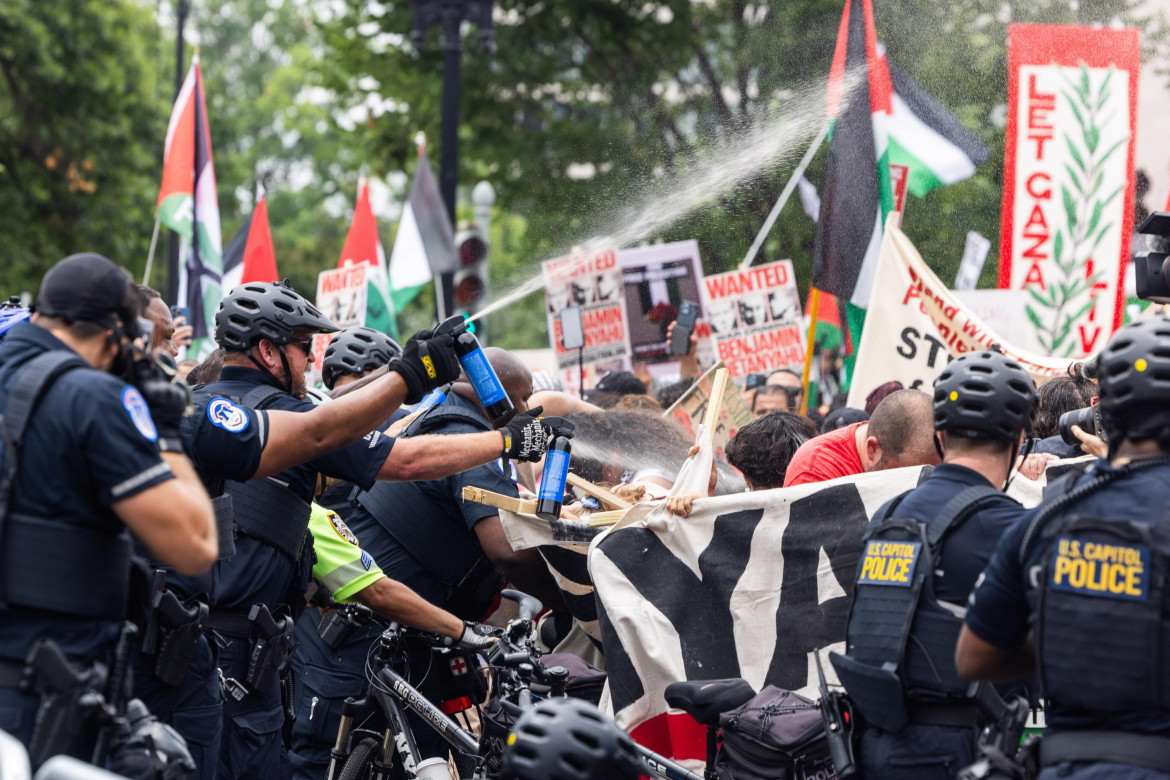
x: 900, y: 640
x: 1103, y: 630
x: 91, y: 567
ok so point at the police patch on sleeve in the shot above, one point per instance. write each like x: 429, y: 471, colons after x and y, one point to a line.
x: 1115, y: 571
x: 224, y: 414
x: 889, y: 563
x: 367, y: 560
x: 342, y: 529
x: 135, y: 406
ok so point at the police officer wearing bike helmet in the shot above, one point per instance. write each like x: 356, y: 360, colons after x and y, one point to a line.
x: 1076, y: 590
x: 255, y: 595
x: 569, y: 739
x: 353, y: 353
x: 88, y: 468
x: 923, y: 552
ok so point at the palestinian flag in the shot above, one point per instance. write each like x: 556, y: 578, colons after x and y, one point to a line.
x: 855, y: 193
x: 927, y: 138
x: 362, y: 245
x: 187, y: 204
x: 249, y: 256
x: 425, y: 244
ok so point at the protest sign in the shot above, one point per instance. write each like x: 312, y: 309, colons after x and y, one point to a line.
x: 1069, y: 179
x: 974, y: 256
x: 593, y: 283
x: 656, y: 279
x: 755, y: 318
x: 748, y: 585
x: 342, y: 294
x: 688, y: 410
x: 921, y: 326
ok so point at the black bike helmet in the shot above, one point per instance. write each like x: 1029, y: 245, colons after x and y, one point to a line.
x: 355, y: 351
x: 568, y: 739
x: 1134, y: 371
x: 984, y: 395
x: 266, y: 310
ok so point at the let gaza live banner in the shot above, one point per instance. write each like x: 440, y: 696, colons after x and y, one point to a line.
x: 755, y: 318
x: 921, y: 326
x: 1069, y: 180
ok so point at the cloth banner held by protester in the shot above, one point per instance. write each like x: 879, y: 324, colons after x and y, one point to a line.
x: 656, y: 279
x: 755, y: 318
x: 689, y: 410
x: 749, y: 585
x: 593, y: 283
x: 921, y: 325
x: 1068, y: 187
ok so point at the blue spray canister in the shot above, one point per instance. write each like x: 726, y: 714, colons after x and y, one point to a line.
x: 551, y: 492
x: 479, y: 371
x: 429, y: 401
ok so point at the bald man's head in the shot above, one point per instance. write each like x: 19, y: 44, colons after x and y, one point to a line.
x: 903, y: 427
x: 513, y: 374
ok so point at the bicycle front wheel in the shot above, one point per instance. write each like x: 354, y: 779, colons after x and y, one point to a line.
x: 360, y: 764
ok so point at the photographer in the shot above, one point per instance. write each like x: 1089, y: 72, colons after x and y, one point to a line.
x: 88, y: 468
x: 1075, y: 589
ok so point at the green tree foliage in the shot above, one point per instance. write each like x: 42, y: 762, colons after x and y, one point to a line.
x: 80, y: 137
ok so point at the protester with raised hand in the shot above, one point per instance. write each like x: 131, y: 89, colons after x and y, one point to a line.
x: 1075, y: 591
x: 921, y: 556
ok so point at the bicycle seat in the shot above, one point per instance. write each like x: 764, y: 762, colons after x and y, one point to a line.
x: 706, y: 700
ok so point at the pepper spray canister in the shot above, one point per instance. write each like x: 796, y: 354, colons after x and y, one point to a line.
x: 479, y: 371
x: 552, y: 482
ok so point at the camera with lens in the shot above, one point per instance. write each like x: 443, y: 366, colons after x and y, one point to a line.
x: 1089, y: 418
x: 1151, y: 268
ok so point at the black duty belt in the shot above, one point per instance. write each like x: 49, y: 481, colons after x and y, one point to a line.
x: 959, y: 714
x: 12, y: 673
x: 228, y: 623
x: 1122, y: 747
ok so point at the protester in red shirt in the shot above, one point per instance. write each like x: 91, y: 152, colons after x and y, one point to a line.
x: 900, y: 433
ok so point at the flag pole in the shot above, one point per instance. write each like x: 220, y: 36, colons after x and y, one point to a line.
x: 150, y: 254
x: 785, y: 194
x: 813, y: 307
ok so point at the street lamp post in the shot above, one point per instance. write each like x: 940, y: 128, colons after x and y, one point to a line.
x: 450, y: 15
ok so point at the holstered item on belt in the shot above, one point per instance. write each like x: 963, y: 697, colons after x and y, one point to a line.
x: 1150, y: 751
x: 288, y: 697
x: 225, y: 525
x: 180, y: 625
x: 335, y: 631
x: 72, y: 708
x: 270, y: 647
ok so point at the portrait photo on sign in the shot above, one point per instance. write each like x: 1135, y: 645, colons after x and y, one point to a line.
x: 656, y: 280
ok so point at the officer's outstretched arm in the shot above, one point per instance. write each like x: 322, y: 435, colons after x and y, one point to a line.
x: 174, y: 519
x: 976, y: 659
x: 395, y: 601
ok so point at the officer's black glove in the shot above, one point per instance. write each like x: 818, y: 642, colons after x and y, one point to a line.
x: 477, y: 636
x: 526, y: 437
x: 427, y: 361
x: 168, y: 397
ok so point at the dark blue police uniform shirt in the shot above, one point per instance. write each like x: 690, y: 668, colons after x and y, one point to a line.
x: 336, y: 496
x: 968, y: 547
x: 435, y: 525
x: 89, y: 444
x: 247, y: 578
x: 1001, y: 606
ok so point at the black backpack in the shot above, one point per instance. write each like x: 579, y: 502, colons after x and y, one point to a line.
x: 777, y: 735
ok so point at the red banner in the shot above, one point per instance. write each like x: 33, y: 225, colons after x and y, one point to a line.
x: 1068, y: 179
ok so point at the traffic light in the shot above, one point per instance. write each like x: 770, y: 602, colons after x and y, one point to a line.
x: 471, y: 279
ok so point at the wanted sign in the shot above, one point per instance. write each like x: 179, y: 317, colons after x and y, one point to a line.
x: 342, y: 294
x: 755, y: 318
x: 592, y: 282
x: 921, y: 326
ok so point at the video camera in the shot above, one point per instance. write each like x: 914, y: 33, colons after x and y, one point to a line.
x: 1151, y: 268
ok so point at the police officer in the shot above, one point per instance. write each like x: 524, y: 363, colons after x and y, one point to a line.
x: 345, y: 573
x: 923, y: 552
x: 355, y: 352
x: 88, y: 468
x: 1076, y: 590
x: 266, y: 331
x: 453, y: 560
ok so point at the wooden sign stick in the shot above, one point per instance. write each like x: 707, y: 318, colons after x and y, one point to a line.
x: 598, y: 492
x: 715, y: 402
x: 488, y: 498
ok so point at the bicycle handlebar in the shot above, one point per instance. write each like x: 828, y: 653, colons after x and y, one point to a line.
x: 529, y: 606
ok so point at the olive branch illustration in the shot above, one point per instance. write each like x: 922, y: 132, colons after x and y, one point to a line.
x: 1074, y: 242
